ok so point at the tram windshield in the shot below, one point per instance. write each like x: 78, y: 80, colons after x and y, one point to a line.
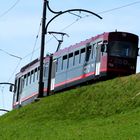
x: 122, y: 49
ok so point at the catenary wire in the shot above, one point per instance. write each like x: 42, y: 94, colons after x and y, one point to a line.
x: 14, y: 70
x: 102, y: 12
x: 9, y: 9
x: 120, y: 7
x: 36, y: 39
x: 49, y: 39
x: 28, y: 55
x: 10, y: 54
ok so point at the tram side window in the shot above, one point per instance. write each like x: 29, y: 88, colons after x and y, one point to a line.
x: 76, y: 57
x: 70, y: 61
x: 34, y: 76
x: 88, y: 53
x: 28, y: 79
x: 82, y: 56
x: 98, y: 53
x: 38, y: 72
x: 64, y: 62
x: 93, y: 51
x: 31, y: 76
x: 24, y: 81
x: 46, y: 70
x: 59, y: 64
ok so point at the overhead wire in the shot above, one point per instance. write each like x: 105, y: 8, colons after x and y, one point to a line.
x: 120, y: 7
x: 34, y: 50
x: 66, y: 27
x: 20, y: 58
x: 102, y: 12
x: 14, y: 70
x: 9, y: 9
x: 36, y: 39
x: 51, y: 38
x: 1, y: 15
x: 10, y: 54
x: 24, y: 57
x: 3, y: 87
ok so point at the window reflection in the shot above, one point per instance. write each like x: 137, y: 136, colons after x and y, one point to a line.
x: 122, y: 49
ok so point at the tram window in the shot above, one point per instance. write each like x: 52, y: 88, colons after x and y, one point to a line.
x: 122, y: 49
x: 46, y: 70
x: 88, y: 53
x: 38, y: 71
x: 35, y: 74
x: 28, y: 77
x: 64, y: 62
x: 59, y: 64
x: 76, y: 57
x: 22, y: 83
x: 31, y: 76
x: 82, y: 56
x: 70, y: 62
x: 24, y: 80
x: 98, y: 53
x: 93, y: 51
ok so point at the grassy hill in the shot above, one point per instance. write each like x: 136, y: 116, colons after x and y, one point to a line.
x: 108, y: 110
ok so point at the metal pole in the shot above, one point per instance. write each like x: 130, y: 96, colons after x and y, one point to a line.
x: 41, y: 83
x: 4, y: 110
x: 44, y: 31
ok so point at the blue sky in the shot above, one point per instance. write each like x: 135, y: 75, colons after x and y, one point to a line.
x: 19, y: 27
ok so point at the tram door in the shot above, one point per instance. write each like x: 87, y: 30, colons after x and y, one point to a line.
x: 97, y: 58
x: 19, y: 89
x: 53, y: 75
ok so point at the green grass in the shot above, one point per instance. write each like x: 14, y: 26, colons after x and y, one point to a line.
x: 107, y: 110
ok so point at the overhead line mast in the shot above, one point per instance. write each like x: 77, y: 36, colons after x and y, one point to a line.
x: 44, y: 31
x: 41, y: 83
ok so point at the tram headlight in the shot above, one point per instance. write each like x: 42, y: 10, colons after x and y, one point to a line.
x: 110, y: 64
x: 132, y: 67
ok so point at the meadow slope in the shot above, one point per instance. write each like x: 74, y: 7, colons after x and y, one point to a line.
x: 108, y: 110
